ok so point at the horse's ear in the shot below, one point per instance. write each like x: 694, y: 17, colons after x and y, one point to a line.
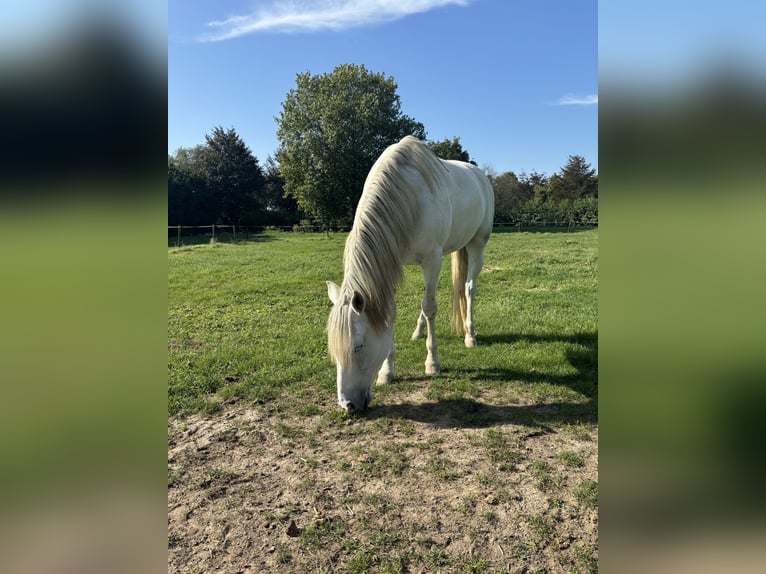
x: 333, y: 292
x: 357, y: 302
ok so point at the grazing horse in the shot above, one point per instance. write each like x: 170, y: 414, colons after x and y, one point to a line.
x: 414, y: 209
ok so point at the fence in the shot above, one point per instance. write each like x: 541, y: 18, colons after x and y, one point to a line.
x: 230, y: 232
x: 179, y: 235
x: 242, y: 229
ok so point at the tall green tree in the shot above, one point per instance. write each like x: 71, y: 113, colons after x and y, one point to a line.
x: 331, y: 130
x: 235, y: 180
x: 451, y: 149
x: 575, y: 180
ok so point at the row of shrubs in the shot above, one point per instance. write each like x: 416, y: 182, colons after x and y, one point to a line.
x: 532, y: 213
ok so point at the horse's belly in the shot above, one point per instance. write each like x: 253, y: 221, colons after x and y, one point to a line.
x: 463, y: 230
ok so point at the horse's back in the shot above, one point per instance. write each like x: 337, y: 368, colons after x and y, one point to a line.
x: 472, y: 204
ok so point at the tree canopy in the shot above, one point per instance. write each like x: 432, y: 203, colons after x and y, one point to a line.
x: 575, y: 180
x: 450, y: 149
x: 217, y: 182
x: 234, y: 178
x: 331, y: 130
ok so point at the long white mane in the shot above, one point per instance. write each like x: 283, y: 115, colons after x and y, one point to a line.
x: 385, y: 219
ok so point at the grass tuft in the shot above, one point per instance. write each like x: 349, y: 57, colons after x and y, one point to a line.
x: 587, y: 494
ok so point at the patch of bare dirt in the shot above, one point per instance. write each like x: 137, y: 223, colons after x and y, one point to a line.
x: 406, y: 488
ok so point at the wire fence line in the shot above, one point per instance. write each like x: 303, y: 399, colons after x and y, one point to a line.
x: 232, y: 233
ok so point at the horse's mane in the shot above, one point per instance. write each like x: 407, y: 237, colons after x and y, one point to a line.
x: 385, y: 220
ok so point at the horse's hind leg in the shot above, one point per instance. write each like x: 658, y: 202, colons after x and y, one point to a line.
x: 431, y: 268
x: 475, y: 262
x: 419, y: 327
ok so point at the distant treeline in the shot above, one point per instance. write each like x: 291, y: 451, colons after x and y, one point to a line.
x: 221, y: 182
x: 568, y: 197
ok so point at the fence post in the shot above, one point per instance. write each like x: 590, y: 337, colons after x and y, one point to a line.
x: 214, y: 233
x: 178, y: 241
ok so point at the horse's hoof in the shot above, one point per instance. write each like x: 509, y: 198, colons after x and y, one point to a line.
x: 470, y: 341
x: 433, y: 368
x: 384, y: 380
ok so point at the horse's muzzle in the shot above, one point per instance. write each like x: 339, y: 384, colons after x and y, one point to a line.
x: 352, y: 408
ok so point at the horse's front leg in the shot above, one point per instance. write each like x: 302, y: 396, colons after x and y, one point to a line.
x: 386, y: 372
x: 431, y: 269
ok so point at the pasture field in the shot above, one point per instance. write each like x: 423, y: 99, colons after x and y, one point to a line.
x: 490, y: 466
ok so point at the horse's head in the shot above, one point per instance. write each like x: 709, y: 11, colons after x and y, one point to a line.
x: 356, y: 346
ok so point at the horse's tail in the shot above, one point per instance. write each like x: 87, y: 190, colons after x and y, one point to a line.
x: 459, y: 276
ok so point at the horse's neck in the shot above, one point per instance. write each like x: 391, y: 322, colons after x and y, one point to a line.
x: 377, y: 283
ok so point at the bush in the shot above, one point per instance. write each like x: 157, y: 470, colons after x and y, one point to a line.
x: 539, y: 213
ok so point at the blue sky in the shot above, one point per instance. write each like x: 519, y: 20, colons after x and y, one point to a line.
x: 516, y: 80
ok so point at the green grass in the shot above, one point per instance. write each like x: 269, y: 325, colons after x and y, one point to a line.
x: 247, y: 321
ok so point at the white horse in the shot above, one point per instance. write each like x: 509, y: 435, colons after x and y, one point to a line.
x: 415, y: 208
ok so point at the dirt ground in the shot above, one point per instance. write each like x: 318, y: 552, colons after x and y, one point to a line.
x: 411, y: 486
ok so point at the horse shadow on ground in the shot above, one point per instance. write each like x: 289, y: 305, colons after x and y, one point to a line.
x: 465, y: 412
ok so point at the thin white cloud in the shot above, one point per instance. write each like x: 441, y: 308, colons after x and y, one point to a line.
x: 316, y: 15
x: 570, y: 100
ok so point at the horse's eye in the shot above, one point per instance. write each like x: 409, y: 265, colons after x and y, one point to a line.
x: 358, y: 348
